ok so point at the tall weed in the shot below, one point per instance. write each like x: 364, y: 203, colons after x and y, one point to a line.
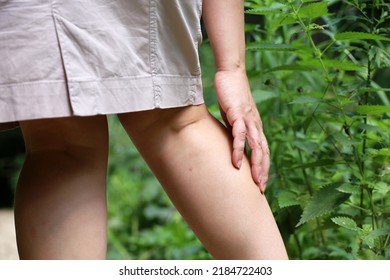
x: 319, y: 72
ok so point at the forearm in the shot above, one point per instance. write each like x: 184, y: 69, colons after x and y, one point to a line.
x: 224, y: 21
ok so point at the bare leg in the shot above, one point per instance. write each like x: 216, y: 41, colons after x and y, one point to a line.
x: 190, y: 153
x: 60, y: 205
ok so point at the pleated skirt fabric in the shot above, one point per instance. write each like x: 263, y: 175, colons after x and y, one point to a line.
x: 63, y: 58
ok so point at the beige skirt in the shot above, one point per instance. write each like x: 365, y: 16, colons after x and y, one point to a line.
x: 63, y: 58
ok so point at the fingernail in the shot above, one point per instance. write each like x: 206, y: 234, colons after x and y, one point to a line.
x: 259, y: 184
x: 262, y: 191
x: 264, y: 186
x: 239, y: 163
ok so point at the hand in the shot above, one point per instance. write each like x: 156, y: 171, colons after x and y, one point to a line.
x: 240, y: 114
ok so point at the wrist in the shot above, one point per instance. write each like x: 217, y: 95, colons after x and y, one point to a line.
x: 237, y: 67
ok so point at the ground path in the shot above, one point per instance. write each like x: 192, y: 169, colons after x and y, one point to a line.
x: 8, y: 249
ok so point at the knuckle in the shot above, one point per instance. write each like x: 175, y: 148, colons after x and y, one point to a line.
x: 240, y: 134
x: 254, y: 143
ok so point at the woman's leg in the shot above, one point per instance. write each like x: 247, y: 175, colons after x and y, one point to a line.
x: 60, y: 204
x: 190, y: 153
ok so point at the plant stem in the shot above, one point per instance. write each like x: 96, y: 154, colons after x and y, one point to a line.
x: 386, y: 242
x: 304, y: 173
x: 357, y: 207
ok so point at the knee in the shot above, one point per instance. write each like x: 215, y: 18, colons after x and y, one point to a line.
x: 69, y: 139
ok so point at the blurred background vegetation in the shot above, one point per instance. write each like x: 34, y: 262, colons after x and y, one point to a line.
x: 319, y: 72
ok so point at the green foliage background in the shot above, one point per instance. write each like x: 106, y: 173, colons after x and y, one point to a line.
x: 319, y: 72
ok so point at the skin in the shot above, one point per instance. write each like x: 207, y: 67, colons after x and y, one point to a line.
x: 225, y: 25
x: 222, y: 204
x: 60, y: 206
x: 60, y: 200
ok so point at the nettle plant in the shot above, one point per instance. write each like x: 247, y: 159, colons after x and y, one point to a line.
x: 320, y: 73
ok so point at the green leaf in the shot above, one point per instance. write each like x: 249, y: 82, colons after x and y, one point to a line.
x: 291, y: 67
x: 379, y: 232
x: 307, y: 147
x: 321, y: 162
x: 345, y: 222
x: 271, y: 47
x: 264, y: 11
x: 349, y: 188
x: 306, y: 100
x: 370, y: 236
x: 343, y: 139
x: 284, y: 20
x: 313, y: 10
x: 372, y: 109
x: 287, y: 199
x: 365, y: 89
x: 364, y: 232
x: 338, y: 64
x: 381, y: 187
x: 274, y: 8
x: 359, y: 36
x: 323, y: 202
x: 369, y: 127
x: 383, y: 152
x: 263, y: 95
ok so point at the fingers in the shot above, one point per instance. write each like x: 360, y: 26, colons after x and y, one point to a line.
x: 239, y: 136
x: 266, y: 166
x: 260, y: 161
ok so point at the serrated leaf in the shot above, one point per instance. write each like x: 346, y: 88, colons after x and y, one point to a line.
x: 274, y: 8
x: 365, y: 89
x: 345, y: 222
x: 287, y: 199
x: 379, y: 232
x: 341, y: 65
x: 263, y: 95
x: 372, y: 109
x: 369, y: 127
x: 306, y: 100
x: 364, y: 233
x: 359, y: 36
x: 323, y: 202
x: 381, y: 188
x: 343, y: 139
x: 284, y: 20
x: 289, y: 68
x: 349, y: 188
x: 264, y: 11
x: 318, y: 163
x: 271, y: 47
x: 383, y: 152
x: 305, y: 146
x: 313, y: 10
x: 369, y: 236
